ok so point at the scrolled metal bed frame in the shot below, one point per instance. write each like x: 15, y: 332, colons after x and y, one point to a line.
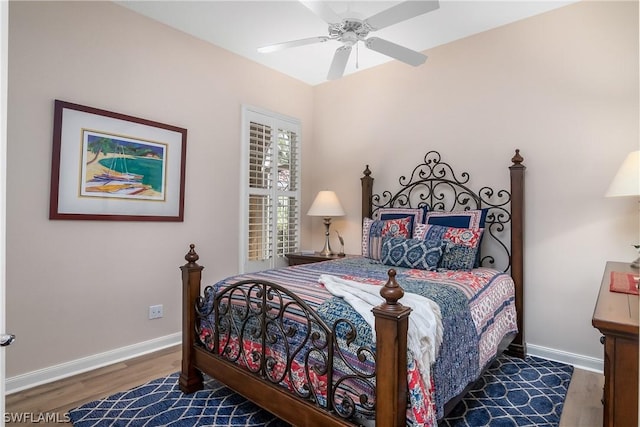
x: 208, y: 346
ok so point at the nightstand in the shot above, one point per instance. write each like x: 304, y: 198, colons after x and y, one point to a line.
x: 616, y: 317
x: 297, y: 258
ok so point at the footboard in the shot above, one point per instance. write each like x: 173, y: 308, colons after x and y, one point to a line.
x: 267, y: 344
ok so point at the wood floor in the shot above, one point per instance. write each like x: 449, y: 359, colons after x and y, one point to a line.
x: 61, y: 396
x: 582, y: 407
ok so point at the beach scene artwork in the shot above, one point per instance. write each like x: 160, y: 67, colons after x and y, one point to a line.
x: 116, y: 166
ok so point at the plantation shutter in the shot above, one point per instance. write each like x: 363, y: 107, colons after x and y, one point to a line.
x: 272, y: 201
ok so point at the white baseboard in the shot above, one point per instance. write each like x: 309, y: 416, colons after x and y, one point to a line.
x: 577, y: 360
x: 78, y: 366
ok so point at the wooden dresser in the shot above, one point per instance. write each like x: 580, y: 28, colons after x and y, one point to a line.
x: 616, y: 317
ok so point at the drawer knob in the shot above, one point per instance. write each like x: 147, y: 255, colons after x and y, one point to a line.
x: 602, y: 339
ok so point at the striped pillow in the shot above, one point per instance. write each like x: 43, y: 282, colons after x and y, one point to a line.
x: 374, y: 230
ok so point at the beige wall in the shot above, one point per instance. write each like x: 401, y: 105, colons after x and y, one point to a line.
x: 77, y: 288
x: 562, y: 87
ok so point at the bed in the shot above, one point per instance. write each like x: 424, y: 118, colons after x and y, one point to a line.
x: 288, y: 340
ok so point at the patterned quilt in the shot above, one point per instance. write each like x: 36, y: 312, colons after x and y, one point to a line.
x: 477, y: 309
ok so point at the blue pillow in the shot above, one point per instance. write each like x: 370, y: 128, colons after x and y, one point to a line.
x: 459, y: 245
x: 473, y: 219
x: 411, y: 253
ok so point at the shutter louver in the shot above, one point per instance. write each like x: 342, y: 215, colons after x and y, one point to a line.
x: 287, y: 225
x: 260, y: 219
x: 260, y: 156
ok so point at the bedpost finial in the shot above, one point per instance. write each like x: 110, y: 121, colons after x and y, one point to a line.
x: 391, y: 291
x: 367, y: 171
x: 517, y: 158
x: 191, y: 257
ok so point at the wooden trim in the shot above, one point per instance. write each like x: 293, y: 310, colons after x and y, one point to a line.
x: 271, y: 397
x: 519, y: 346
x: 367, y: 193
x: 392, y: 322
x: 190, y: 377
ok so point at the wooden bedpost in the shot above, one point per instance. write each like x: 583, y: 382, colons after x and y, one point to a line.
x: 392, y: 321
x: 190, y: 377
x: 367, y: 193
x: 519, y: 346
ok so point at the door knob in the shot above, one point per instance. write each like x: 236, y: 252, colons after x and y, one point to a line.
x: 6, y: 339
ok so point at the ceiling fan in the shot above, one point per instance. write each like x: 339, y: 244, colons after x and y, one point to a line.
x: 349, y: 31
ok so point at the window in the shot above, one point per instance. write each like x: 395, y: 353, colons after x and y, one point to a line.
x: 271, y: 189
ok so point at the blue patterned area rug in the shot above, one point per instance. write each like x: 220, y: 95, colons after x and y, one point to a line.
x: 513, y: 392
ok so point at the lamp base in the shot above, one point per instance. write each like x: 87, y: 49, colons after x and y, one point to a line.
x: 326, y: 251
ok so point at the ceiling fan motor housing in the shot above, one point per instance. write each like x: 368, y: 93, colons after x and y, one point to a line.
x: 349, y: 31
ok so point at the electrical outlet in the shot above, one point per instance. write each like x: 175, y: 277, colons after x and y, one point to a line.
x: 155, y: 311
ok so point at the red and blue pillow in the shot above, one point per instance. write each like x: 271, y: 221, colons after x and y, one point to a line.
x: 416, y: 215
x: 471, y: 219
x: 460, y: 246
x: 373, y: 232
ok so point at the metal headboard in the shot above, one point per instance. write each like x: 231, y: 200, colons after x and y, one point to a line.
x: 435, y: 185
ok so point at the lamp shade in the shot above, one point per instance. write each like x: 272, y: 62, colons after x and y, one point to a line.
x: 326, y: 204
x: 627, y: 180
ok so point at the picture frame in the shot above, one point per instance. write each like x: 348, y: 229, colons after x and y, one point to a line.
x: 114, y: 167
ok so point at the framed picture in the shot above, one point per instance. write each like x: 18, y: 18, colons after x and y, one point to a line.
x: 110, y: 166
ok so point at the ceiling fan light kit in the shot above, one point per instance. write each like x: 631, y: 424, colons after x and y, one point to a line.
x: 349, y: 31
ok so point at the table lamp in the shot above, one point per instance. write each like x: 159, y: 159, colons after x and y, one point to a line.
x: 626, y: 183
x: 326, y: 205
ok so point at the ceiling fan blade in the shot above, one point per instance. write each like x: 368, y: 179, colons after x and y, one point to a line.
x: 401, y: 12
x: 339, y: 62
x: 294, y: 43
x: 321, y: 9
x: 396, y: 51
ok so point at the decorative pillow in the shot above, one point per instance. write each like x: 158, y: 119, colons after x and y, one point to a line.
x: 473, y: 219
x: 416, y: 215
x: 429, y: 232
x: 374, y: 230
x: 459, y: 245
x: 411, y: 253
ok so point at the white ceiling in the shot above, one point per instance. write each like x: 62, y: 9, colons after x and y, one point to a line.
x: 244, y: 26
